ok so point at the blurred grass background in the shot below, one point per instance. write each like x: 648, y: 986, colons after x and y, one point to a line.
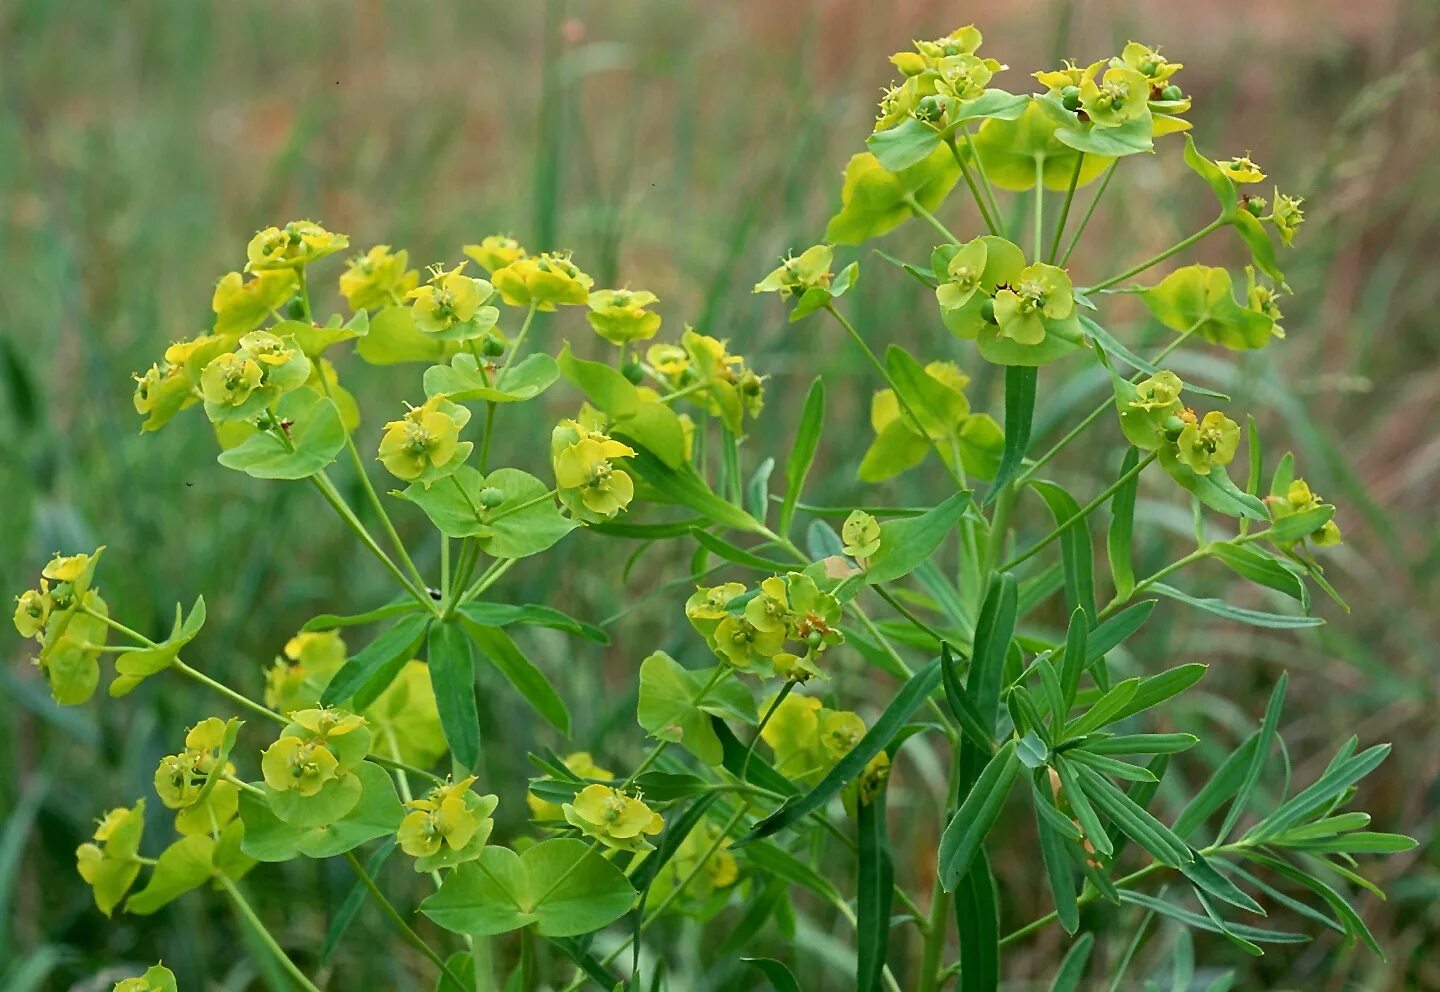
x: 679, y: 147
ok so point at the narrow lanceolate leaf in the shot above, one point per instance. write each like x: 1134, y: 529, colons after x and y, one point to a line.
x: 802, y: 452
x: 774, y: 862
x: 961, y: 706
x: 1107, y: 709
x: 905, y: 542
x: 1354, y: 926
x: 1113, y: 632
x: 452, y: 675
x: 909, y: 698
x: 967, y: 829
x: 1122, y: 528
x: 520, y: 672
x: 1059, y: 869
x: 1255, y: 618
x: 775, y: 973
x: 730, y: 552
x: 1072, y: 969
x: 369, y: 672
x: 1223, y: 784
x: 1336, y: 779
x: 1205, y: 923
x: 1019, y: 414
x: 1076, y: 554
x: 1085, y: 813
x: 1257, y: 760
x: 1137, y: 824
x: 1203, y: 875
x: 993, y: 633
x: 874, y: 891
x: 1140, y: 743
x: 977, y: 918
x: 532, y: 615
x: 330, y: 621
x: 1072, y: 663
x: 1157, y: 688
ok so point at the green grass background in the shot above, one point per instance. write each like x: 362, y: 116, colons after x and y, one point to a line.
x: 679, y: 147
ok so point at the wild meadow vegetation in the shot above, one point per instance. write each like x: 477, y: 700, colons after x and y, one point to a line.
x: 975, y: 595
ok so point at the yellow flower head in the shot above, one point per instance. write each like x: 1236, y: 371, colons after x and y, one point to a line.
x: 296, y: 244
x: 546, y: 280
x: 32, y: 609
x: 796, y: 274
x: 670, y: 362
x: 1042, y: 292
x: 450, y: 818
x: 156, y: 979
x: 1241, y: 169
x: 1208, y: 442
x: 449, y: 298
x: 230, y: 379
x: 1159, y: 392
x: 377, y: 278
x: 1120, y: 95
x: 495, y: 251
x: 610, y: 816
x: 584, y: 470
x: 1148, y: 62
x: 69, y: 568
x: 583, y: 765
x: 1286, y: 215
x: 242, y: 304
x: 425, y: 440
x: 302, y: 765
x: 620, y: 315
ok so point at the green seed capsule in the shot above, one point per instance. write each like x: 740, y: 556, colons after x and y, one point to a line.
x: 493, y: 347
x: 1172, y: 93
x: 987, y: 311
x: 490, y: 497
x: 1070, y: 97
x: 1255, y: 205
x: 1173, y: 425
x: 633, y: 372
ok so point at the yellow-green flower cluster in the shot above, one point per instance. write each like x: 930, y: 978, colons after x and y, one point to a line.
x: 1156, y: 419
x: 110, y: 862
x: 293, y: 246
x: 452, y: 304
x: 543, y: 281
x: 579, y: 763
x: 709, y: 376
x: 704, y: 858
x: 424, y: 445
x: 448, y: 826
x: 588, y: 480
x: 807, y: 738
x: 181, y: 781
x: 378, y: 278
x: 621, y: 317
x: 986, y: 283
x: 319, y: 748
x: 157, y: 978
x: 781, y: 629
x: 944, y: 69
x: 241, y: 384
x: 68, y: 619
x: 1298, y: 498
x: 495, y: 251
x: 619, y: 821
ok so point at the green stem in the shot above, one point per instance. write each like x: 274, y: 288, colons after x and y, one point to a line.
x: 245, y: 702
x: 990, y: 222
x: 905, y: 612
x: 373, y: 497
x: 1081, y: 514
x: 1039, y: 204
x: 760, y: 730
x: 999, y: 526
x: 885, y: 375
x: 938, y: 926
x: 1089, y: 212
x: 401, y: 766
x: 304, y: 282
x: 264, y: 935
x: 1065, y: 208
x: 931, y: 219
x: 399, y: 921
x: 1198, y: 554
x: 488, y: 578
x: 519, y: 340
x: 337, y: 502
x: 485, y: 440
x: 1174, y: 249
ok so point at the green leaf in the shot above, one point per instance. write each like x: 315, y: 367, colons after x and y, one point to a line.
x: 1203, y: 875
x: 1072, y: 968
x: 961, y: 706
x: 1222, y: 185
x: 905, y: 542
x: 967, y: 829
x: 1262, y: 249
x: 1353, y: 924
x: 314, y: 338
x: 1220, y: 608
x: 367, y: 674
x: 1008, y: 149
x: 451, y: 658
x: 757, y: 490
x: 1140, y: 743
x: 504, y: 531
x: 1202, y: 297
x: 774, y: 861
x: 682, y: 485
x: 562, y: 887
x: 394, y: 338
x: 519, y: 671
x: 977, y: 921
x: 532, y: 615
x: 1257, y: 762
x: 134, y: 667
x: 1020, y: 383
x: 184, y: 865
x: 874, y: 891
x: 1107, y: 709
x: 775, y: 973
x: 377, y: 814
x: 1132, y: 819
x: 906, y: 701
x: 1215, y: 490
x: 1115, y: 631
x: 1265, y: 569
x: 1089, y: 821
x: 904, y: 145
x: 1155, y: 689
x: 730, y: 552
x: 875, y: 201
x: 1059, y: 869
x: 1337, y: 778
x: 332, y: 621
x: 1072, y: 663
x: 1076, y: 553
x: 1199, y: 922
x: 1220, y: 786
x: 649, y: 423
x: 345, y: 915
x: 802, y: 451
x: 1114, y: 767
x: 1292, y: 528
x: 1130, y: 138
x: 1122, y: 528
x: 462, y: 382
x: 676, y: 706
x: 994, y: 631
x: 315, y: 436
